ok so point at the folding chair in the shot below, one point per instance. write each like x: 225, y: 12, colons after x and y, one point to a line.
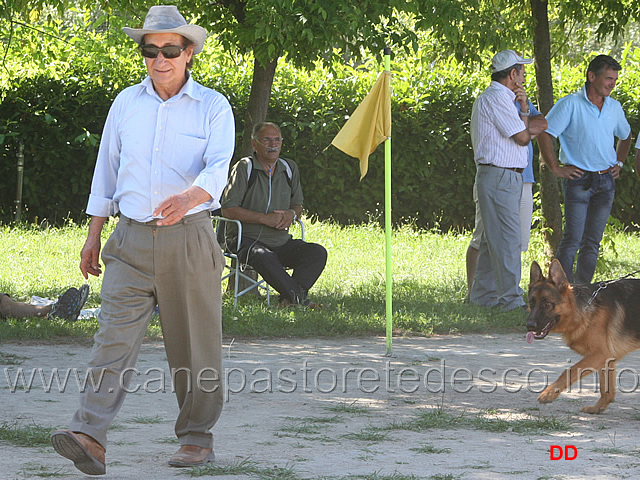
x: 234, y: 267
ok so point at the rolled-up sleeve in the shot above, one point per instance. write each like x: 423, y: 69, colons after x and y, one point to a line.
x: 103, y: 187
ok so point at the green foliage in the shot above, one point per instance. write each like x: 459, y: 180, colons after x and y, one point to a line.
x: 432, y: 157
x: 470, y: 29
x: 304, y: 30
x: 56, y: 91
x: 467, y: 29
x: 56, y: 107
x: 59, y: 142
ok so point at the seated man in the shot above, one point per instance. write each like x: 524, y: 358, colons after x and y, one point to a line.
x: 264, y: 193
x: 67, y: 307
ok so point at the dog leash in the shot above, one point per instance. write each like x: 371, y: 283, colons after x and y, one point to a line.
x: 603, y: 285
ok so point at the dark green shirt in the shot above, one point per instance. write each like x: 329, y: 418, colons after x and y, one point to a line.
x: 261, y: 198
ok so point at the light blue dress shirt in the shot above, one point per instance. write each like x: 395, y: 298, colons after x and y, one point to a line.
x: 587, y: 133
x: 151, y: 149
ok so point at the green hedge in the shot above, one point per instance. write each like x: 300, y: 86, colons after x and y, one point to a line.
x: 59, y: 122
x: 432, y: 161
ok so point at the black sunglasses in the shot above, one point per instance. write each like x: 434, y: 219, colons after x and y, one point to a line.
x: 168, y: 51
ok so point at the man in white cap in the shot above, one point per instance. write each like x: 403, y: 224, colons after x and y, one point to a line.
x: 500, y: 135
x: 162, y: 164
x: 587, y: 123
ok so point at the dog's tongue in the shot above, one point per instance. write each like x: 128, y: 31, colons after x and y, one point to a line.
x: 529, y: 337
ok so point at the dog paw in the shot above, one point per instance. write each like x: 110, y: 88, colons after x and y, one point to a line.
x: 593, y: 409
x: 548, y: 395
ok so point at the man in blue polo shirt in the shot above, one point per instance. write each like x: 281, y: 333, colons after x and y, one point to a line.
x: 586, y: 123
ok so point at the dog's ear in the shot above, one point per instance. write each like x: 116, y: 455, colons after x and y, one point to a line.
x: 557, y: 275
x: 536, y: 273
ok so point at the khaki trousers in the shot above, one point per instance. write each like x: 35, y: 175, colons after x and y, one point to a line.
x: 178, y: 268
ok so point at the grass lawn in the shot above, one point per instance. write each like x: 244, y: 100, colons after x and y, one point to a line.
x: 428, y: 274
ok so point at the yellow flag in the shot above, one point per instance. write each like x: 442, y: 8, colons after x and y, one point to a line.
x: 369, y: 125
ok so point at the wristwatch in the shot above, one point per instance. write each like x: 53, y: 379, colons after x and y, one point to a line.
x: 620, y: 164
x: 295, y: 216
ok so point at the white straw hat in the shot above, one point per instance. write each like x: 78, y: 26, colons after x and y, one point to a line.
x: 167, y: 19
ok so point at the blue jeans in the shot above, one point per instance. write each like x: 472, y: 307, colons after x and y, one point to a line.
x: 587, y: 205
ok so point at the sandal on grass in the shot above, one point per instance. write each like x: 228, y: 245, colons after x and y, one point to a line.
x: 70, y: 303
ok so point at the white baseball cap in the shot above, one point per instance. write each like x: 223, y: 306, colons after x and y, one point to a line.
x: 507, y: 58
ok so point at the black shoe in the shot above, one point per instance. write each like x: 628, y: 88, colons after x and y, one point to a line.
x: 70, y: 303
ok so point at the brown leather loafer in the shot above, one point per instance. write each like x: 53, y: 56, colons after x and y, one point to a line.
x: 85, y: 453
x: 191, y: 456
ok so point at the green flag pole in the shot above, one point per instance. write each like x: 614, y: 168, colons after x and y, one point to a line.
x: 387, y: 223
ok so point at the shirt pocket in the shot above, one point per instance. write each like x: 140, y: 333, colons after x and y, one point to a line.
x: 187, y: 158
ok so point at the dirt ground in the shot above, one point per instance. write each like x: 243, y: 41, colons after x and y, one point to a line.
x: 290, y: 414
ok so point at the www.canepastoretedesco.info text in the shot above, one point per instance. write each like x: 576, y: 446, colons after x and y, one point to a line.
x: 304, y: 379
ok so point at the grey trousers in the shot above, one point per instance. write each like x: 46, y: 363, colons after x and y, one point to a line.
x: 497, y: 278
x: 178, y: 268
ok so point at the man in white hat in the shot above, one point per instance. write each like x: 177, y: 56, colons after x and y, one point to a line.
x: 500, y: 135
x: 162, y: 164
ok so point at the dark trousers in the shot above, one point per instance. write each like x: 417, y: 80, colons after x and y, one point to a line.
x: 306, y: 259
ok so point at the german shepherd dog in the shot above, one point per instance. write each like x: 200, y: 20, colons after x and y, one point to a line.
x: 600, y: 321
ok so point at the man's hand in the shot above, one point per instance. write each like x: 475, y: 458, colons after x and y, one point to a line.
x: 568, y: 171
x: 549, y: 157
x: 90, y: 258
x: 277, y: 219
x: 615, y: 171
x: 286, y: 219
x: 173, y: 208
x: 521, y: 97
x: 537, y: 125
x: 90, y: 254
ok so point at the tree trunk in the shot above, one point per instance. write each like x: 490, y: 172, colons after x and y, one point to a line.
x: 549, y: 188
x: 258, y: 101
